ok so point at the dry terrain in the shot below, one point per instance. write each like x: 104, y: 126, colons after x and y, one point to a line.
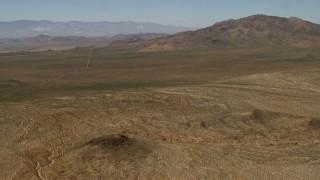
x: 245, y: 113
x: 251, y: 31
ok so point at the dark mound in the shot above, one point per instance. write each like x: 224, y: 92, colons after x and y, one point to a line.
x: 261, y: 116
x: 117, y: 147
x: 111, y: 141
x: 315, y: 124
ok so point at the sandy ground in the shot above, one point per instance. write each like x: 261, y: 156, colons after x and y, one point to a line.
x: 255, y: 126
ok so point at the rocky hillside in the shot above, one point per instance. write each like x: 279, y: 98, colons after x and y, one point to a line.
x: 248, y: 31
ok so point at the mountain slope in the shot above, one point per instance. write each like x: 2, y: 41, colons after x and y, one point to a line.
x: 26, y: 28
x: 252, y: 30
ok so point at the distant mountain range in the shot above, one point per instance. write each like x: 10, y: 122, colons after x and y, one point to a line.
x: 249, y: 31
x: 47, y: 39
x: 28, y: 28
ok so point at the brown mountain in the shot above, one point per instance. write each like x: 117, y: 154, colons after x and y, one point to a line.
x: 249, y: 31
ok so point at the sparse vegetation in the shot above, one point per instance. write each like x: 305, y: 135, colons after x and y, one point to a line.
x: 219, y: 112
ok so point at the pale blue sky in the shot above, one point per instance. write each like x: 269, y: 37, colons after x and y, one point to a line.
x: 191, y: 13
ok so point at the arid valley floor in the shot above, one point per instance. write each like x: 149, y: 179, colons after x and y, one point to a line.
x: 245, y: 113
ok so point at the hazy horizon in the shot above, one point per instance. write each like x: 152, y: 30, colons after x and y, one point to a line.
x: 186, y: 13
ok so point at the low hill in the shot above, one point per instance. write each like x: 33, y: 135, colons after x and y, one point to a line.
x: 133, y: 38
x: 44, y: 42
